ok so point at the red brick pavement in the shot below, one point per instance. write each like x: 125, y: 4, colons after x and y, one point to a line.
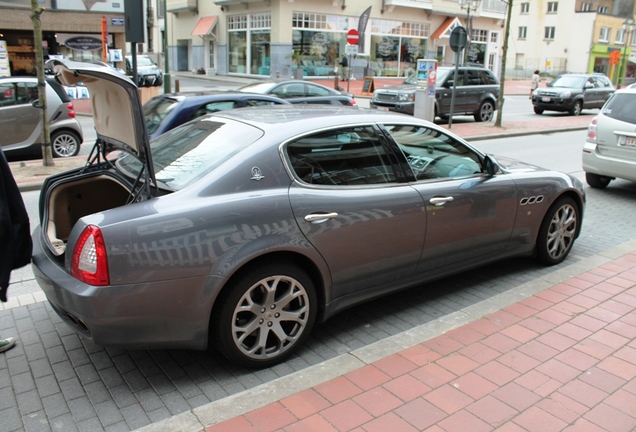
x: 563, y: 359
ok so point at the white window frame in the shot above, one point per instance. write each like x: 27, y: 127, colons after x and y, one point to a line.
x: 620, y: 36
x: 523, y: 32
x: 602, y: 9
x: 553, y: 7
x: 586, y: 7
x: 549, y: 33
x: 525, y: 8
x: 604, y: 35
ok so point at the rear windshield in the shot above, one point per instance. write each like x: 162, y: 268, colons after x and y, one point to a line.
x: 621, y: 106
x: 187, y: 153
x: 155, y: 110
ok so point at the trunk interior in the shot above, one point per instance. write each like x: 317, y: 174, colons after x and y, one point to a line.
x: 71, y: 201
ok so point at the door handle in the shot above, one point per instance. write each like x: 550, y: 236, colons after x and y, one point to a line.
x: 438, y: 201
x: 320, y: 217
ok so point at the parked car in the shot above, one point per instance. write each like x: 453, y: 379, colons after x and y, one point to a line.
x: 243, y: 228
x: 337, y: 100
x: 165, y: 112
x: 477, y: 90
x: 609, y: 151
x: 573, y: 93
x: 290, y: 89
x: 148, y: 73
x: 21, y: 119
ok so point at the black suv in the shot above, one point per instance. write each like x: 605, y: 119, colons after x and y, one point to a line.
x: 476, y: 94
x: 573, y: 92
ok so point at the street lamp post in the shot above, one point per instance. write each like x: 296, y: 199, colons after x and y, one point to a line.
x: 167, y: 84
x: 629, y: 25
x: 469, y: 5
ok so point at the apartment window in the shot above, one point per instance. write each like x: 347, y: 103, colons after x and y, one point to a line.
x: 523, y: 32
x: 604, y: 36
x: 549, y: 33
x: 525, y: 8
x: 494, y: 37
x: 632, y: 41
x: 553, y: 7
x: 586, y: 7
x: 602, y: 9
x: 620, y: 36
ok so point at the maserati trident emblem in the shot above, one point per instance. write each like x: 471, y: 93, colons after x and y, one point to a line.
x: 257, y: 174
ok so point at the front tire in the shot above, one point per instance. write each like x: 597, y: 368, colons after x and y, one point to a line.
x: 265, y: 315
x: 597, y: 181
x: 576, y: 108
x: 486, y: 112
x: 65, y: 144
x: 558, y: 231
x: 538, y: 111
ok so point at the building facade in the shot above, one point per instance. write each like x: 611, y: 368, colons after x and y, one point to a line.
x: 572, y: 36
x: 283, y: 38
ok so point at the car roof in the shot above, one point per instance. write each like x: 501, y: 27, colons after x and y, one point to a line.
x: 194, y: 97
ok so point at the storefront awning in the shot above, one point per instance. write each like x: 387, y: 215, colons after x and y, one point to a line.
x: 444, y: 30
x: 205, y: 26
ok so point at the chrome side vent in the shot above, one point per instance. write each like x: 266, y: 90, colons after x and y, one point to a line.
x: 531, y: 200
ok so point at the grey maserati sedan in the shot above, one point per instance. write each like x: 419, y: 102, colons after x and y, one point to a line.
x: 241, y: 230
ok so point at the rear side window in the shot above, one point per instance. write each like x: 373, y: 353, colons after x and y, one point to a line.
x: 621, y: 106
x: 341, y: 157
x: 488, y: 78
x: 59, y: 89
x: 473, y: 77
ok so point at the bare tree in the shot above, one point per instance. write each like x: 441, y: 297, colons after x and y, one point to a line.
x: 47, y: 155
x: 504, y: 56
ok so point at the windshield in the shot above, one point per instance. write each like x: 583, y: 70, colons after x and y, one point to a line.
x: 260, y: 88
x: 568, y: 82
x: 157, y: 109
x: 187, y: 153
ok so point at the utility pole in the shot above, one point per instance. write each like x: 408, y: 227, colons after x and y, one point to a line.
x: 47, y: 155
x: 504, y: 56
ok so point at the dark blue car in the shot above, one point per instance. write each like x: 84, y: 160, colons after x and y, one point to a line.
x: 165, y: 112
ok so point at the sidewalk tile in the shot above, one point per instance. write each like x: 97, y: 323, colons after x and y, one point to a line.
x: 603, y: 380
x: 388, y: 422
x: 420, y: 355
x: 420, y: 413
x: 346, y: 415
x: 538, y: 350
x: 465, y: 335
x: 532, y: 380
x: 500, y: 342
x: 407, y: 387
x: 433, y: 375
x: 337, y: 390
x: 537, y: 420
x: 464, y: 420
x: 619, y: 367
x: 497, y: 373
x: 624, y: 401
x: 558, y: 410
x: 448, y: 398
x: 367, y: 377
x: 270, y: 417
x: 305, y: 403
x: 237, y: 424
x: 583, y: 393
x: 572, y: 331
x: 558, y: 370
x: 610, y: 418
x: 519, y: 333
x: 457, y: 364
x: 577, y: 359
x: 395, y: 365
x: 556, y: 340
x: 474, y: 385
x: 492, y: 410
x: 480, y: 353
x: 443, y: 345
x: 377, y: 401
x: 313, y: 423
x: 518, y: 361
x: 516, y: 396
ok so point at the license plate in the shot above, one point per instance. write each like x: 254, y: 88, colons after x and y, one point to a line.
x: 382, y: 108
x: 630, y: 141
x: 545, y: 99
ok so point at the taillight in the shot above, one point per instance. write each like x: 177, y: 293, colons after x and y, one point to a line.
x: 71, y: 110
x: 353, y: 102
x: 89, y: 263
x: 591, y: 131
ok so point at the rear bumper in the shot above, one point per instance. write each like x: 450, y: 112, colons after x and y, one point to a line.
x: 596, y: 163
x: 151, y: 315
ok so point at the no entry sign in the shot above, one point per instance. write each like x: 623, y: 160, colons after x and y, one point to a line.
x: 353, y: 36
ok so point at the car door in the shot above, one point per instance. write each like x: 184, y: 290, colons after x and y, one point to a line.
x: 444, y: 95
x: 593, y: 94
x: 469, y: 214
x: 350, y: 200
x: 473, y: 90
x: 19, y: 120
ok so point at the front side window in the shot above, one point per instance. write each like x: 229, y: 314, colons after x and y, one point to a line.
x: 434, y: 155
x: 350, y: 156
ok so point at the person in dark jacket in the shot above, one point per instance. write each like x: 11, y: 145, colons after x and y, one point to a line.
x: 15, y: 235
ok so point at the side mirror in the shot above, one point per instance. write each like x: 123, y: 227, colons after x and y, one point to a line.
x: 449, y: 83
x: 589, y: 85
x: 491, y: 167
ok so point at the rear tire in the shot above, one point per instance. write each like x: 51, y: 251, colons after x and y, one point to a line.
x: 265, y: 315
x: 65, y: 144
x: 486, y: 112
x: 538, y: 111
x: 597, y: 181
x: 558, y: 231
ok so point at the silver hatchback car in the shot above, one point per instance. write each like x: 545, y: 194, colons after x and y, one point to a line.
x: 21, y: 120
x: 610, y: 148
x: 243, y: 228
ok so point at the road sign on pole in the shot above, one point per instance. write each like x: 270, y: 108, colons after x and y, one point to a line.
x: 353, y: 36
x: 351, y: 49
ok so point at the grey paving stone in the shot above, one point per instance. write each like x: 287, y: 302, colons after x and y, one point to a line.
x: 91, y: 425
x: 212, y: 390
x: 148, y: 366
x: 72, y: 341
x: 55, y: 405
x: 36, y: 422
x: 65, y: 423
x: 29, y: 337
x: 124, y: 363
x: 78, y: 357
x: 47, y: 385
x: 17, y: 365
x: 87, y: 373
x: 57, y: 354
x: 135, y: 417
x: 11, y: 420
x: 123, y: 396
x: 108, y: 413
x: 41, y: 368
x: 111, y: 377
x: 97, y: 392
x: 22, y: 382
x: 122, y: 426
x: 64, y: 371
x: 159, y: 414
x: 175, y: 403
x: 186, y: 387
x: 29, y: 402
x: 150, y: 401
x: 50, y: 340
x: 82, y: 410
x: 7, y: 398
x: 136, y: 381
x: 101, y: 359
x: 161, y: 384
